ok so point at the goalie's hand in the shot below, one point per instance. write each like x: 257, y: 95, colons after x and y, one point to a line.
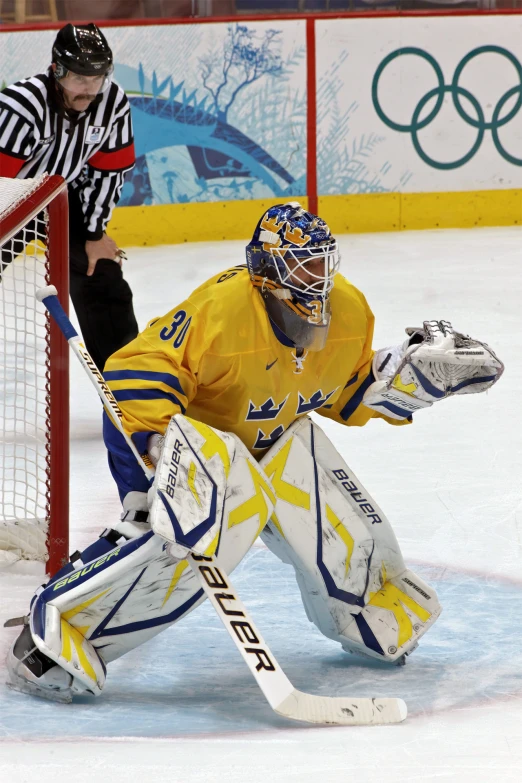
x: 434, y: 363
x: 155, y: 447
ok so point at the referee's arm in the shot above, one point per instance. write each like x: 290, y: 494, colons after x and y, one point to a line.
x: 16, y: 141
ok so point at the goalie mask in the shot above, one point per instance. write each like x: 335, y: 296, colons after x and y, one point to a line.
x: 293, y: 259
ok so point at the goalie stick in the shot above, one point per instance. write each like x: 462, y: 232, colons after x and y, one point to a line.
x: 275, y: 685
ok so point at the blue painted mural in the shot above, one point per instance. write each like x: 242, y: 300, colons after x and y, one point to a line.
x: 237, y: 133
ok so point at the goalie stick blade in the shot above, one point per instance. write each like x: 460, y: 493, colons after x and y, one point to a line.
x: 341, y: 711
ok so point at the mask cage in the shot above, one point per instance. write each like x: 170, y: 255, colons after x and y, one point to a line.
x: 321, y: 284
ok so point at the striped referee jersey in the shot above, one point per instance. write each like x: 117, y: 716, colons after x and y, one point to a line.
x: 92, y: 150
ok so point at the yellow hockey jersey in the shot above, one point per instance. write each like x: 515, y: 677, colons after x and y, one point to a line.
x: 216, y: 357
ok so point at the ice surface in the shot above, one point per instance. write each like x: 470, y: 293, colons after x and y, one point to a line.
x: 183, y: 708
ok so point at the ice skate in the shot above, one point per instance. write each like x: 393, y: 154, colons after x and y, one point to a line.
x: 32, y: 672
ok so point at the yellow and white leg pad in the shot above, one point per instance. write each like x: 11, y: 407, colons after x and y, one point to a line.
x: 66, y: 645
x: 396, y: 616
x: 199, y: 468
x: 342, y: 547
x: 108, y: 606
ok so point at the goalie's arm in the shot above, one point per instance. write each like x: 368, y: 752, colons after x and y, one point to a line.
x: 349, y: 408
x: 152, y: 378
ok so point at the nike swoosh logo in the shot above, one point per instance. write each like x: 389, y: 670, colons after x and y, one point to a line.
x: 268, y: 366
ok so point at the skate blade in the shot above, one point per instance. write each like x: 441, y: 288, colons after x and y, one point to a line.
x: 16, y: 621
x: 22, y: 686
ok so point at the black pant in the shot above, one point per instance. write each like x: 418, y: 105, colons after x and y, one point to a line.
x: 103, y: 302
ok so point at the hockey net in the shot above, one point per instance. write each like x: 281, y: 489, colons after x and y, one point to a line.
x: 34, y: 373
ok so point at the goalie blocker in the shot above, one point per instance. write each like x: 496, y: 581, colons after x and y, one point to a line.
x: 211, y: 497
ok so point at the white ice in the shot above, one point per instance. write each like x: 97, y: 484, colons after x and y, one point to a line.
x: 183, y: 708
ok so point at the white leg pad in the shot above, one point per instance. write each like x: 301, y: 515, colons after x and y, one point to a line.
x: 390, y: 625
x: 348, y: 563
x: 200, y: 469
x: 111, y: 605
x: 64, y: 644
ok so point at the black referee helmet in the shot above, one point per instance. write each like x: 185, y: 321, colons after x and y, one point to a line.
x: 82, y: 49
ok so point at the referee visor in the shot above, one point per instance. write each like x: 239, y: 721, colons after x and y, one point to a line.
x: 78, y: 82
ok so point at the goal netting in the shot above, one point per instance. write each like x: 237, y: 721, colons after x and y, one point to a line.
x: 34, y: 373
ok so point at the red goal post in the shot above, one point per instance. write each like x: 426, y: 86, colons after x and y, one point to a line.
x: 34, y: 373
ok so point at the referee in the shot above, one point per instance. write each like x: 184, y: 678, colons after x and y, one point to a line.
x: 75, y: 121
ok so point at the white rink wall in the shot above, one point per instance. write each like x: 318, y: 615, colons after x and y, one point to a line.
x: 408, y: 108
x: 430, y: 103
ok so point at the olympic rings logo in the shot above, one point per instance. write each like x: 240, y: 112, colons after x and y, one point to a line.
x: 457, y: 93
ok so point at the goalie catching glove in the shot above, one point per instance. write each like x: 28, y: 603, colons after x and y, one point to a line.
x: 435, y: 362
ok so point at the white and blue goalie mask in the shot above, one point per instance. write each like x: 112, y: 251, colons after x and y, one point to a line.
x: 293, y: 259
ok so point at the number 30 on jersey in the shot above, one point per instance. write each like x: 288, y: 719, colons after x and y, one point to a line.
x: 178, y: 329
